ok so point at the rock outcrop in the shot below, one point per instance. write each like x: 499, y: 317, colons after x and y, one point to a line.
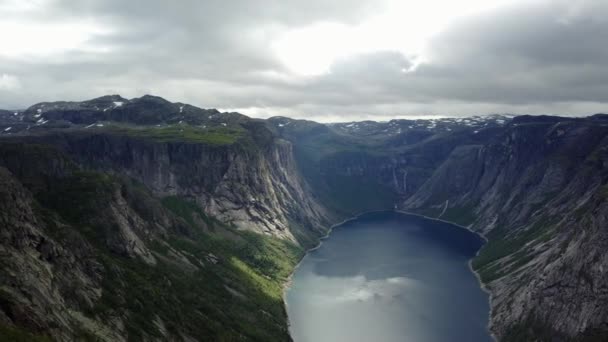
x: 143, y: 228
x: 115, y: 212
x: 538, y: 192
x: 534, y: 186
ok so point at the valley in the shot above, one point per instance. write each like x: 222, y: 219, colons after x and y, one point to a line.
x: 144, y: 219
x: 390, y: 277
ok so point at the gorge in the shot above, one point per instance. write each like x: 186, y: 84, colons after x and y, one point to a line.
x: 142, y: 219
x: 388, y: 277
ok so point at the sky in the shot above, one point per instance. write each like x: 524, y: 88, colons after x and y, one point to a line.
x: 339, y: 60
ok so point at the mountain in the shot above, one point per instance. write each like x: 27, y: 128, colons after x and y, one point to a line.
x: 124, y: 231
x: 143, y: 219
x: 534, y: 186
x: 538, y: 192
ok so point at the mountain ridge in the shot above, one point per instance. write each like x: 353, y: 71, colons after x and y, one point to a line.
x: 526, y: 182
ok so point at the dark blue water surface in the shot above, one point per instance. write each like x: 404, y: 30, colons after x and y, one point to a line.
x: 389, y: 277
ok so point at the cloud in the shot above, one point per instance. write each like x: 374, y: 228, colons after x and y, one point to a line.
x: 530, y: 57
x: 9, y: 82
x: 360, y: 289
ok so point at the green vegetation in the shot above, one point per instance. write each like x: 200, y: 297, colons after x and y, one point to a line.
x: 518, y: 245
x: 14, y: 334
x: 231, y: 289
x: 269, y: 256
x: 463, y: 216
x: 210, y: 281
x: 428, y: 212
x: 74, y: 196
x: 187, y: 210
x: 224, y: 301
x: 181, y: 133
x: 241, y: 292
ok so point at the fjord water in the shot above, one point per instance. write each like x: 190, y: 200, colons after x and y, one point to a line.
x: 387, y: 277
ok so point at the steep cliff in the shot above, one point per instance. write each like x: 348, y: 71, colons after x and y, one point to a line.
x: 534, y: 186
x: 537, y: 191
x: 369, y: 166
x: 118, y: 230
x: 88, y: 255
x: 144, y: 219
x: 234, y: 167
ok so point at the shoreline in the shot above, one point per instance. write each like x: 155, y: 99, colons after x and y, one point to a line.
x: 286, y: 286
x: 482, y: 286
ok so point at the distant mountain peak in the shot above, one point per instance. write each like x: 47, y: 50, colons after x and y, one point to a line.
x: 151, y: 98
x: 104, y: 98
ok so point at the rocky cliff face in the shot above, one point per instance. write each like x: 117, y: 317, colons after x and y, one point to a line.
x: 537, y: 191
x: 253, y: 188
x: 234, y: 167
x: 116, y: 230
x: 90, y: 255
x: 52, y: 274
x: 42, y: 279
x: 116, y: 212
x: 387, y: 161
x: 534, y: 186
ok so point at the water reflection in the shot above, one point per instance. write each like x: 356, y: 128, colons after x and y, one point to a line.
x: 389, y: 277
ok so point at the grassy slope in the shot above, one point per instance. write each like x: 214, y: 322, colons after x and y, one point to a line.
x: 14, y: 334
x: 181, y: 133
x: 239, y: 297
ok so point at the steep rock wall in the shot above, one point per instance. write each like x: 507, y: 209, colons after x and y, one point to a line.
x: 254, y: 187
x: 538, y: 192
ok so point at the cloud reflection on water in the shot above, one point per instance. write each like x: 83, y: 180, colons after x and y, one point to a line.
x: 385, y: 279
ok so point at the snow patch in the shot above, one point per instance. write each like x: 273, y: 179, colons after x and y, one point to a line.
x: 118, y: 103
x: 8, y: 129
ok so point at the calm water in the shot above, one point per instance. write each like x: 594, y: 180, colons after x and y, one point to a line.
x: 389, y: 277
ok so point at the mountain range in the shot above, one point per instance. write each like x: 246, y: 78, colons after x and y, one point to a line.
x: 143, y: 219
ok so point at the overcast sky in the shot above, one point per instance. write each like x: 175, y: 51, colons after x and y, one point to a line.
x: 336, y: 60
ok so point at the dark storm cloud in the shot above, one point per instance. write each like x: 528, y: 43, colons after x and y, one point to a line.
x: 546, y: 57
x: 155, y: 43
x: 539, y: 53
